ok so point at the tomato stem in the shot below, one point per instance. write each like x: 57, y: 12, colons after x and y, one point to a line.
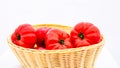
x: 61, y: 41
x: 18, y: 36
x: 81, y: 35
x: 43, y: 43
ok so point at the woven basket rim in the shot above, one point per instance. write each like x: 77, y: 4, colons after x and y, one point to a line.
x: 53, y: 25
x: 54, y: 51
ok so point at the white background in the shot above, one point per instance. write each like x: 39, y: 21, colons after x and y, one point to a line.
x: 105, y: 14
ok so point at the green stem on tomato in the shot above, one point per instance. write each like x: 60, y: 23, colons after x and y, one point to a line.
x: 81, y: 35
x: 61, y: 41
x: 18, y: 36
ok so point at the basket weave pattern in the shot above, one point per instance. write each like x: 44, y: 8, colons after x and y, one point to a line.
x: 83, y: 57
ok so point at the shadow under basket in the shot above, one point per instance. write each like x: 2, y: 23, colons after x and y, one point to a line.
x: 82, y: 57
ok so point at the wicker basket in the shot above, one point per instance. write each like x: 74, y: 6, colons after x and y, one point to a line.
x: 83, y: 57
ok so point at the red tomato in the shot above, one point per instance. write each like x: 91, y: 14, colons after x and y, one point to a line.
x: 84, y: 34
x: 24, y: 35
x: 57, y: 39
x: 41, y: 35
x: 40, y: 48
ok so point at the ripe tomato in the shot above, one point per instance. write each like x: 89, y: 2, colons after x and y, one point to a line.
x: 57, y: 39
x: 84, y: 34
x: 24, y: 35
x: 40, y: 48
x: 41, y: 35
